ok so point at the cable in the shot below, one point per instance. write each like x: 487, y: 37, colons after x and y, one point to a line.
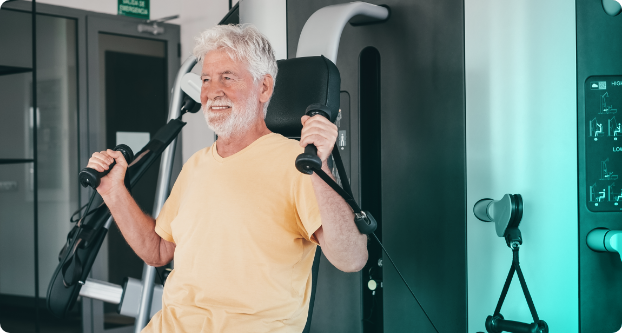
x: 73, y: 216
x: 406, y: 283
x: 88, y: 206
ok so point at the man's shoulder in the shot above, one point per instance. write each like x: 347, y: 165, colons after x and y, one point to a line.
x: 285, y: 143
x: 280, y: 146
x: 281, y: 149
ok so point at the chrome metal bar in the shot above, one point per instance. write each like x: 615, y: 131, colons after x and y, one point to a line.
x: 103, y: 291
x: 109, y: 222
x: 164, y: 179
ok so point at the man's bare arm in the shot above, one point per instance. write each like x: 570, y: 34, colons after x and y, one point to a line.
x: 342, y: 243
x: 137, y: 228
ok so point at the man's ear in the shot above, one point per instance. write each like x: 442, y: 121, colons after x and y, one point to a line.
x: 267, y: 88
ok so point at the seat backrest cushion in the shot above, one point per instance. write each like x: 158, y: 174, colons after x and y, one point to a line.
x: 299, y: 83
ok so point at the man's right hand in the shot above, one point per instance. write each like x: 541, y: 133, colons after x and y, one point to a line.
x: 113, y: 181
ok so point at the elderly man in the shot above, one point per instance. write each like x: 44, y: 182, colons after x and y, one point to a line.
x: 241, y: 222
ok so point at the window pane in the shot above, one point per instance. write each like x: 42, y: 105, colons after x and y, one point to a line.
x: 17, y: 272
x: 57, y: 152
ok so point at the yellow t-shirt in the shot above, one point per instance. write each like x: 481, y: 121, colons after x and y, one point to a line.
x: 243, y: 228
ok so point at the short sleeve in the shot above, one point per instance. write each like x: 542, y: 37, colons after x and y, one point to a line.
x: 169, y: 211
x: 309, y: 219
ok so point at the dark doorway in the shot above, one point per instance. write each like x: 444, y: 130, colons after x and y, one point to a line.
x: 136, y: 102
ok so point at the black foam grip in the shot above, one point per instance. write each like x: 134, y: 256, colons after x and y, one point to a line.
x: 91, y: 177
x: 309, y: 160
x: 497, y: 324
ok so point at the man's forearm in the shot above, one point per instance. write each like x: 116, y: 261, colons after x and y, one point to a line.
x: 137, y: 228
x: 342, y: 244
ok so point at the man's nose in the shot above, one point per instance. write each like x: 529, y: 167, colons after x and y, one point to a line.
x: 211, y: 91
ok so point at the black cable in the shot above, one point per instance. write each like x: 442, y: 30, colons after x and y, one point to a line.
x: 345, y: 195
x: 406, y: 283
x: 88, y: 206
x: 73, y: 219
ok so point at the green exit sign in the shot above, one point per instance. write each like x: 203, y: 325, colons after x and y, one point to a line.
x: 134, y: 8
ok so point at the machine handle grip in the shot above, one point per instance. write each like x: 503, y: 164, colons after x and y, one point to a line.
x: 309, y: 160
x: 497, y: 324
x: 91, y: 177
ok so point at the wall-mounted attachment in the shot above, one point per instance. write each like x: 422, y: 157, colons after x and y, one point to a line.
x: 506, y: 213
x: 612, y: 7
x: 605, y: 240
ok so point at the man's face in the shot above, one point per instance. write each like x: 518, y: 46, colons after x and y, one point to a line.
x: 229, y: 96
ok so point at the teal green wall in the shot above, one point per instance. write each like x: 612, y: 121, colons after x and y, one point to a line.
x: 521, y: 138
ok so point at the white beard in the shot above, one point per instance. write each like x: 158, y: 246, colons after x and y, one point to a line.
x: 238, y: 120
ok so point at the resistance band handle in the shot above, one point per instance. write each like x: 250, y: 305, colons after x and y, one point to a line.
x: 91, y: 177
x: 309, y: 160
x: 496, y: 324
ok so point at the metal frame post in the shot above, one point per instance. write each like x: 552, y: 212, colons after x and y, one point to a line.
x: 164, y: 179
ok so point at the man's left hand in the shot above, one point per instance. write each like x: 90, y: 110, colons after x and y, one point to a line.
x: 321, y: 132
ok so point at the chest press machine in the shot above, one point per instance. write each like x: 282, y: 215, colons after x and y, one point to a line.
x: 318, y: 93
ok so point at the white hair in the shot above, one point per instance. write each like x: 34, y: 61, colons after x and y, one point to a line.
x: 242, y: 43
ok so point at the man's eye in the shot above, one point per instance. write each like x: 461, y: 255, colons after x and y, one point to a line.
x: 227, y: 78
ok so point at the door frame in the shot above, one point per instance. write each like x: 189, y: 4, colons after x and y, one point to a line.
x: 128, y: 27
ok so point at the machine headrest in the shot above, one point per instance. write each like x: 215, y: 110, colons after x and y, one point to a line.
x: 301, y: 82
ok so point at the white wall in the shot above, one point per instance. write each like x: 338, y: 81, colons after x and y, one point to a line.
x: 194, y: 17
x: 521, y: 138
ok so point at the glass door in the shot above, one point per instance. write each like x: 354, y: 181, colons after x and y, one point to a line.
x: 38, y: 190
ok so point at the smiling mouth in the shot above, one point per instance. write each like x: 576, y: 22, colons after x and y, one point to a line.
x: 220, y: 108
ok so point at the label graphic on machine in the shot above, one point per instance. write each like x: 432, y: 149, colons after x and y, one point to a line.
x: 603, y: 143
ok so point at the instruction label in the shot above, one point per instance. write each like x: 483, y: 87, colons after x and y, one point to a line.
x: 134, y: 8
x: 603, y: 143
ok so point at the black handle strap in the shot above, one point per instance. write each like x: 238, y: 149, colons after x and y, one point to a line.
x: 496, y: 323
x: 72, y: 268
x: 346, y: 191
x: 363, y: 220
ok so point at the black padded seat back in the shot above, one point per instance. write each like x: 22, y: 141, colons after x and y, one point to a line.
x: 301, y: 82
x: 314, y: 273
